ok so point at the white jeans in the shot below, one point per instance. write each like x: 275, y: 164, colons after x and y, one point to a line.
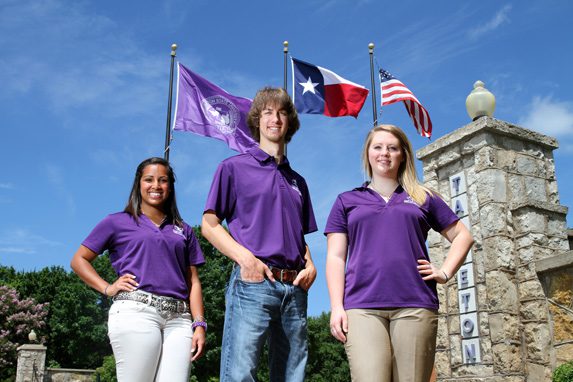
x: 147, y: 345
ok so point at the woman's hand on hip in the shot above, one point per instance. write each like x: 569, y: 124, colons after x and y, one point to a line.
x: 125, y: 283
x: 430, y: 272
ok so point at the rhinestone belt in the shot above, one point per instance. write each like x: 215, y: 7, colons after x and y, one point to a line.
x: 161, y: 303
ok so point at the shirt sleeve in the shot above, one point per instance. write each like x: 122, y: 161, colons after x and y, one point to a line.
x: 309, y: 223
x: 337, y: 221
x: 194, y: 252
x: 440, y: 214
x: 222, y: 197
x: 101, y: 237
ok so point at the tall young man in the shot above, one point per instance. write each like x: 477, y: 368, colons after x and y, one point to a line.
x: 267, y: 207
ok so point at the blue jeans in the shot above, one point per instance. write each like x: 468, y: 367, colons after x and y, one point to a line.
x: 255, y: 313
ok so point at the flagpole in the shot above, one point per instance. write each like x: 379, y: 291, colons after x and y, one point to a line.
x: 168, y: 127
x: 374, y: 112
x: 285, y: 50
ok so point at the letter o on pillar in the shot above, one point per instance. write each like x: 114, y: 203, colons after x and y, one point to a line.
x: 467, y: 327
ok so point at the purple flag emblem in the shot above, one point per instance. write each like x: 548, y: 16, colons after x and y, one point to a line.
x: 205, y: 109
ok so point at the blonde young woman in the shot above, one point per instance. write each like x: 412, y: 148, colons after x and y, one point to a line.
x: 381, y: 281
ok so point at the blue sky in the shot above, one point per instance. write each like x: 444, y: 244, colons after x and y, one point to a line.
x: 83, y: 95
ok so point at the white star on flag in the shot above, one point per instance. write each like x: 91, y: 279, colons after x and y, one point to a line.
x: 308, y: 86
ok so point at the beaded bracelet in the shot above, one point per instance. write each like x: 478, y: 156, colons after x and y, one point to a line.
x: 199, y: 323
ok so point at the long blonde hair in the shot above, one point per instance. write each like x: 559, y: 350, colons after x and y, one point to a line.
x: 407, y: 172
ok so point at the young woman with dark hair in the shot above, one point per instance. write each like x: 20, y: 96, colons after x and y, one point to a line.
x: 133, y: 206
x: 155, y: 325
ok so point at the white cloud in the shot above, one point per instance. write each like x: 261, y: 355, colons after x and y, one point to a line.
x: 566, y: 147
x: 495, y: 22
x: 22, y: 241
x: 6, y: 186
x: 549, y: 117
x: 17, y: 250
x: 56, y: 178
x: 177, y: 12
x: 428, y: 42
x: 76, y: 59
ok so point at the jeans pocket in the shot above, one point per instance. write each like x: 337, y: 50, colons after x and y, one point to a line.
x: 247, y: 282
x: 300, y: 289
x: 126, y: 307
x: 251, y: 282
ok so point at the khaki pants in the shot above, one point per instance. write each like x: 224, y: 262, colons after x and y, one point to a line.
x: 395, y: 345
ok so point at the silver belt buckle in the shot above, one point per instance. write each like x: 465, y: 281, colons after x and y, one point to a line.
x: 165, y: 305
x: 160, y: 305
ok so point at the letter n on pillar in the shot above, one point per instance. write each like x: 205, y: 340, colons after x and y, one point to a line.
x: 471, y: 351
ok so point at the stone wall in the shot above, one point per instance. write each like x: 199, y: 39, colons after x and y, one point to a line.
x: 31, y: 360
x: 516, y: 219
x: 69, y: 375
x: 557, y: 282
x: 31, y: 368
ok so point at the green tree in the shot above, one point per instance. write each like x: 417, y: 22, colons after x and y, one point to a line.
x: 76, y: 324
x: 77, y: 314
x: 326, y: 357
x: 18, y: 317
x: 214, y: 276
x: 563, y: 373
x: 106, y: 372
x: 7, y: 275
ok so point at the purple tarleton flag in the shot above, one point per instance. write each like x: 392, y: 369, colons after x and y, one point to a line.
x: 205, y: 109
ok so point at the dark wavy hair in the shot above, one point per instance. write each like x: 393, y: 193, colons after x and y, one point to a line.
x: 272, y: 96
x: 133, y: 206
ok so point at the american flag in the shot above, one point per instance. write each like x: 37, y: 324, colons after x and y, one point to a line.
x: 393, y: 90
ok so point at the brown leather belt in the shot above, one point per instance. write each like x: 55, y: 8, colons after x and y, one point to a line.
x: 284, y: 275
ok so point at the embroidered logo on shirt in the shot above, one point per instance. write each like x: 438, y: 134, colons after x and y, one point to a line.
x: 409, y: 200
x: 178, y: 231
x: 294, y: 186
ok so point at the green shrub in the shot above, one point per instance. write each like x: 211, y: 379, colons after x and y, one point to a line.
x: 107, y: 371
x: 563, y: 373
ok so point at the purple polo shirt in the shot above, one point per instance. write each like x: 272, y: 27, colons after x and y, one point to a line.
x: 267, y: 207
x: 385, y: 242
x: 158, y: 256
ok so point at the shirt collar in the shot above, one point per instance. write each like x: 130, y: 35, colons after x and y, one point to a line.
x: 150, y: 223
x: 261, y: 156
x: 364, y: 187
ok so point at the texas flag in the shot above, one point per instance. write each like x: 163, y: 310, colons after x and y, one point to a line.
x: 318, y: 90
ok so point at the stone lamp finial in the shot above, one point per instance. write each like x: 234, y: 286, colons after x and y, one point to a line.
x: 480, y: 102
x: 32, y: 336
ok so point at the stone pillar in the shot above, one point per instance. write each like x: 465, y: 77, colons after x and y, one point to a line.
x: 31, y: 363
x: 511, y: 206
